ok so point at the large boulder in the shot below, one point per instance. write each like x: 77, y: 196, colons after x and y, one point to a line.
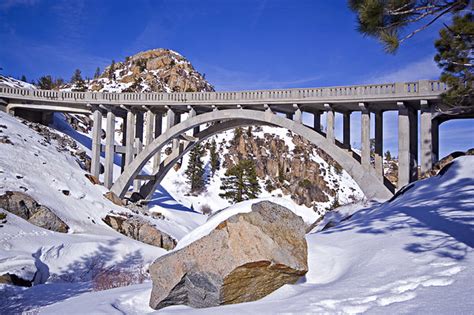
x: 139, y: 229
x: 244, y: 258
x: 27, y: 208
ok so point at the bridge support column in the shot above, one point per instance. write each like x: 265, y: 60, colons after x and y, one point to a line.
x: 317, y: 121
x: 109, y: 150
x: 130, y: 137
x: 96, y: 133
x: 378, y: 158
x: 173, y: 119
x: 435, y: 137
x: 137, y: 143
x: 158, y: 131
x: 346, y: 130
x: 150, y: 124
x: 427, y: 156
x: 330, y: 123
x: 365, y: 135
x: 192, y: 113
x: 407, y: 144
x: 298, y: 115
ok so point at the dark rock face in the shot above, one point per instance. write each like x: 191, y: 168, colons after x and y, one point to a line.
x: 27, y: 208
x: 140, y: 230
x: 243, y: 259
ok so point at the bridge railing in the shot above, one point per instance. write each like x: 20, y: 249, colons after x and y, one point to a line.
x: 426, y: 87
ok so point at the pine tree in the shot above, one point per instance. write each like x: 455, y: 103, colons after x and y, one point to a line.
x: 80, y: 85
x: 241, y: 182
x: 23, y: 78
x: 455, y: 56
x: 388, y: 155
x: 214, y: 156
x: 195, y: 170
x: 111, y: 74
x: 45, y: 82
x: 97, y: 73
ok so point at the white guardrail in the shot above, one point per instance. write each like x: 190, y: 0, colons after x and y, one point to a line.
x: 425, y: 88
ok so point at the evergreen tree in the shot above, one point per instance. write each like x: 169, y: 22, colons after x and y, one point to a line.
x: 80, y: 85
x: 195, y: 170
x: 388, y: 155
x: 111, y: 74
x: 388, y: 21
x: 76, y: 77
x: 241, y: 182
x: 97, y: 73
x: 23, y: 78
x: 456, y: 57
x: 237, y: 134
x: 45, y: 82
x: 214, y: 156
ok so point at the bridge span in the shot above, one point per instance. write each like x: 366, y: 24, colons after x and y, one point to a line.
x: 194, y: 116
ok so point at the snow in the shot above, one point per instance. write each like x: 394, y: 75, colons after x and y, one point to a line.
x: 410, y: 255
x: 11, y: 82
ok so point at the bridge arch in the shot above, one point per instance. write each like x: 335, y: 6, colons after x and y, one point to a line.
x: 366, y: 178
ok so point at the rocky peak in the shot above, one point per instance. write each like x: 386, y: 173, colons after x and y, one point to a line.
x: 156, y: 70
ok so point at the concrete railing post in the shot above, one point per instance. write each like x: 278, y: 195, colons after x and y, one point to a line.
x: 96, y: 136
x: 330, y: 123
x: 346, y: 129
x: 109, y: 149
x: 378, y: 154
x: 365, y: 135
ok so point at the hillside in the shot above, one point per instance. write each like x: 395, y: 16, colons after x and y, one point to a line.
x: 382, y: 258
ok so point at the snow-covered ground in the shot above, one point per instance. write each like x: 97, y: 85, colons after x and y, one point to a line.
x: 411, y: 255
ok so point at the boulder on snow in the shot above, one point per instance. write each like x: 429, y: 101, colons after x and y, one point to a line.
x: 27, y: 208
x: 114, y: 198
x: 243, y: 259
x: 141, y: 230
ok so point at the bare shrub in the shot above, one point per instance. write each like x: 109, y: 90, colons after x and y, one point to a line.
x: 113, y: 277
x: 206, y: 209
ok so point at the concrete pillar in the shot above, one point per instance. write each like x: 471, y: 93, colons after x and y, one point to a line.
x: 378, y: 154
x: 158, y: 131
x: 435, y: 137
x: 413, y: 117
x: 138, y: 146
x: 426, y: 141
x: 96, y: 133
x: 192, y: 113
x: 150, y: 124
x: 317, y: 121
x: 365, y: 135
x: 346, y: 130
x: 109, y: 150
x: 298, y: 115
x: 124, y: 143
x: 139, y: 126
x: 172, y: 119
x: 330, y: 123
x: 130, y: 137
x: 403, y: 145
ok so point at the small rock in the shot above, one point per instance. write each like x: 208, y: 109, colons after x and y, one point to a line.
x: 114, y: 198
x: 94, y: 180
x: 66, y: 192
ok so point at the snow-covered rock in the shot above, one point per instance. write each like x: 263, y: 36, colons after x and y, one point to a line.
x: 246, y: 257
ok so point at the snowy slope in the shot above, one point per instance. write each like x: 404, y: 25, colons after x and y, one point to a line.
x: 12, y: 82
x: 411, y: 255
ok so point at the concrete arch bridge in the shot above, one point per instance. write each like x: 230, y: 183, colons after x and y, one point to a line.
x: 190, y: 118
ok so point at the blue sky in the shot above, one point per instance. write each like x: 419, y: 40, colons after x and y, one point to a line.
x: 238, y: 44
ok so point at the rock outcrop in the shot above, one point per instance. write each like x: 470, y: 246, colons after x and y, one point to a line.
x: 156, y: 70
x: 243, y: 259
x: 139, y: 229
x: 27, y: 208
